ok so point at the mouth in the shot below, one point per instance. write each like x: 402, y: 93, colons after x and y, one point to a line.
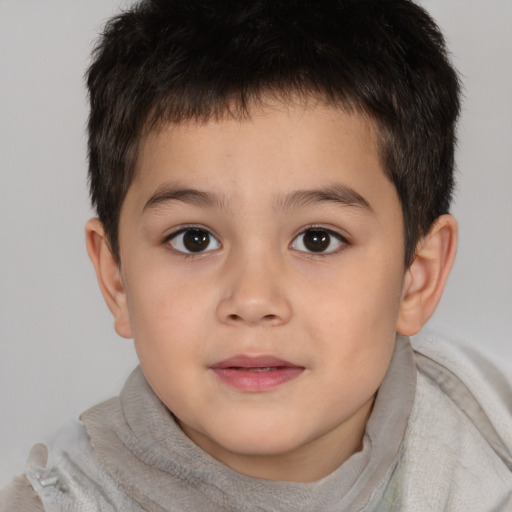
x: 256, y: 374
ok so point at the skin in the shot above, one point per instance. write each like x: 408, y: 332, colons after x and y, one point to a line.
x: 258, y: 290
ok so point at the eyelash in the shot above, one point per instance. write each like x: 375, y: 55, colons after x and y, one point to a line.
x: 214, y: 239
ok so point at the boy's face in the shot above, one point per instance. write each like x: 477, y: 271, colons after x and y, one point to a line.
x: 262, y: 266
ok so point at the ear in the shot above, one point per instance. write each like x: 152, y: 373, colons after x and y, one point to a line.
x: 425, y: 279
x: 109, y: 276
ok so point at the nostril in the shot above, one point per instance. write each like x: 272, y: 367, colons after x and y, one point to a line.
x: 266, y: 318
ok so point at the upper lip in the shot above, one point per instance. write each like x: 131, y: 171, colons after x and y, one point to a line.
x: 245, y: 361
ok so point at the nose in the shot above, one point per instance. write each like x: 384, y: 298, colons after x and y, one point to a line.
x: 254, y: 294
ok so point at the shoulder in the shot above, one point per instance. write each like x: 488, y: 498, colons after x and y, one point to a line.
x: 65, y: 475
x: 457, y: 452
x: 474, y: 385
x: 19, y: 495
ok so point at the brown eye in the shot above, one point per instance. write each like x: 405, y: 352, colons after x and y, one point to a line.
x: 194, y: 240
x: 316, y: 240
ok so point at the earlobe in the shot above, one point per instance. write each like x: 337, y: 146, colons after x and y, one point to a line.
x: 109, y: 276
x: 426, y: 277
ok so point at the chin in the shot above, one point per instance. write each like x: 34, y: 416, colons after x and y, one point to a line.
x: 267, y: 442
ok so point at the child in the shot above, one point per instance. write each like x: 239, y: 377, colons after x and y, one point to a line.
x: 272, y: 181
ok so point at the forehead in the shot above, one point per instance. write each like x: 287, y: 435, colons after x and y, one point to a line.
x: 280, y: 148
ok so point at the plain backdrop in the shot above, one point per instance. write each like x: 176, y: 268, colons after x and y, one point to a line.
x: 58, y: 351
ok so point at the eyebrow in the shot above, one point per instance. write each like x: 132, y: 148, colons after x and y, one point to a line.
x: 336, y: 193
x: 170, y: 192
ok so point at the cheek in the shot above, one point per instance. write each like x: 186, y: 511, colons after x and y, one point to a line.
x: 169, y: 339
x: 167, y: 315
x: 355, y: 297
x: 352, y: 319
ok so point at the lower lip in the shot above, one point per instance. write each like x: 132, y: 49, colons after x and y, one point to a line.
x: 257, y: 380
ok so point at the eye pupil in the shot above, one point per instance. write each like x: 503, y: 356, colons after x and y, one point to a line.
x: 196, y: 240
x: 316, y: 240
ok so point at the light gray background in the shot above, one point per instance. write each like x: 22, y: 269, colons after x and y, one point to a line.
x: 59, y: 353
